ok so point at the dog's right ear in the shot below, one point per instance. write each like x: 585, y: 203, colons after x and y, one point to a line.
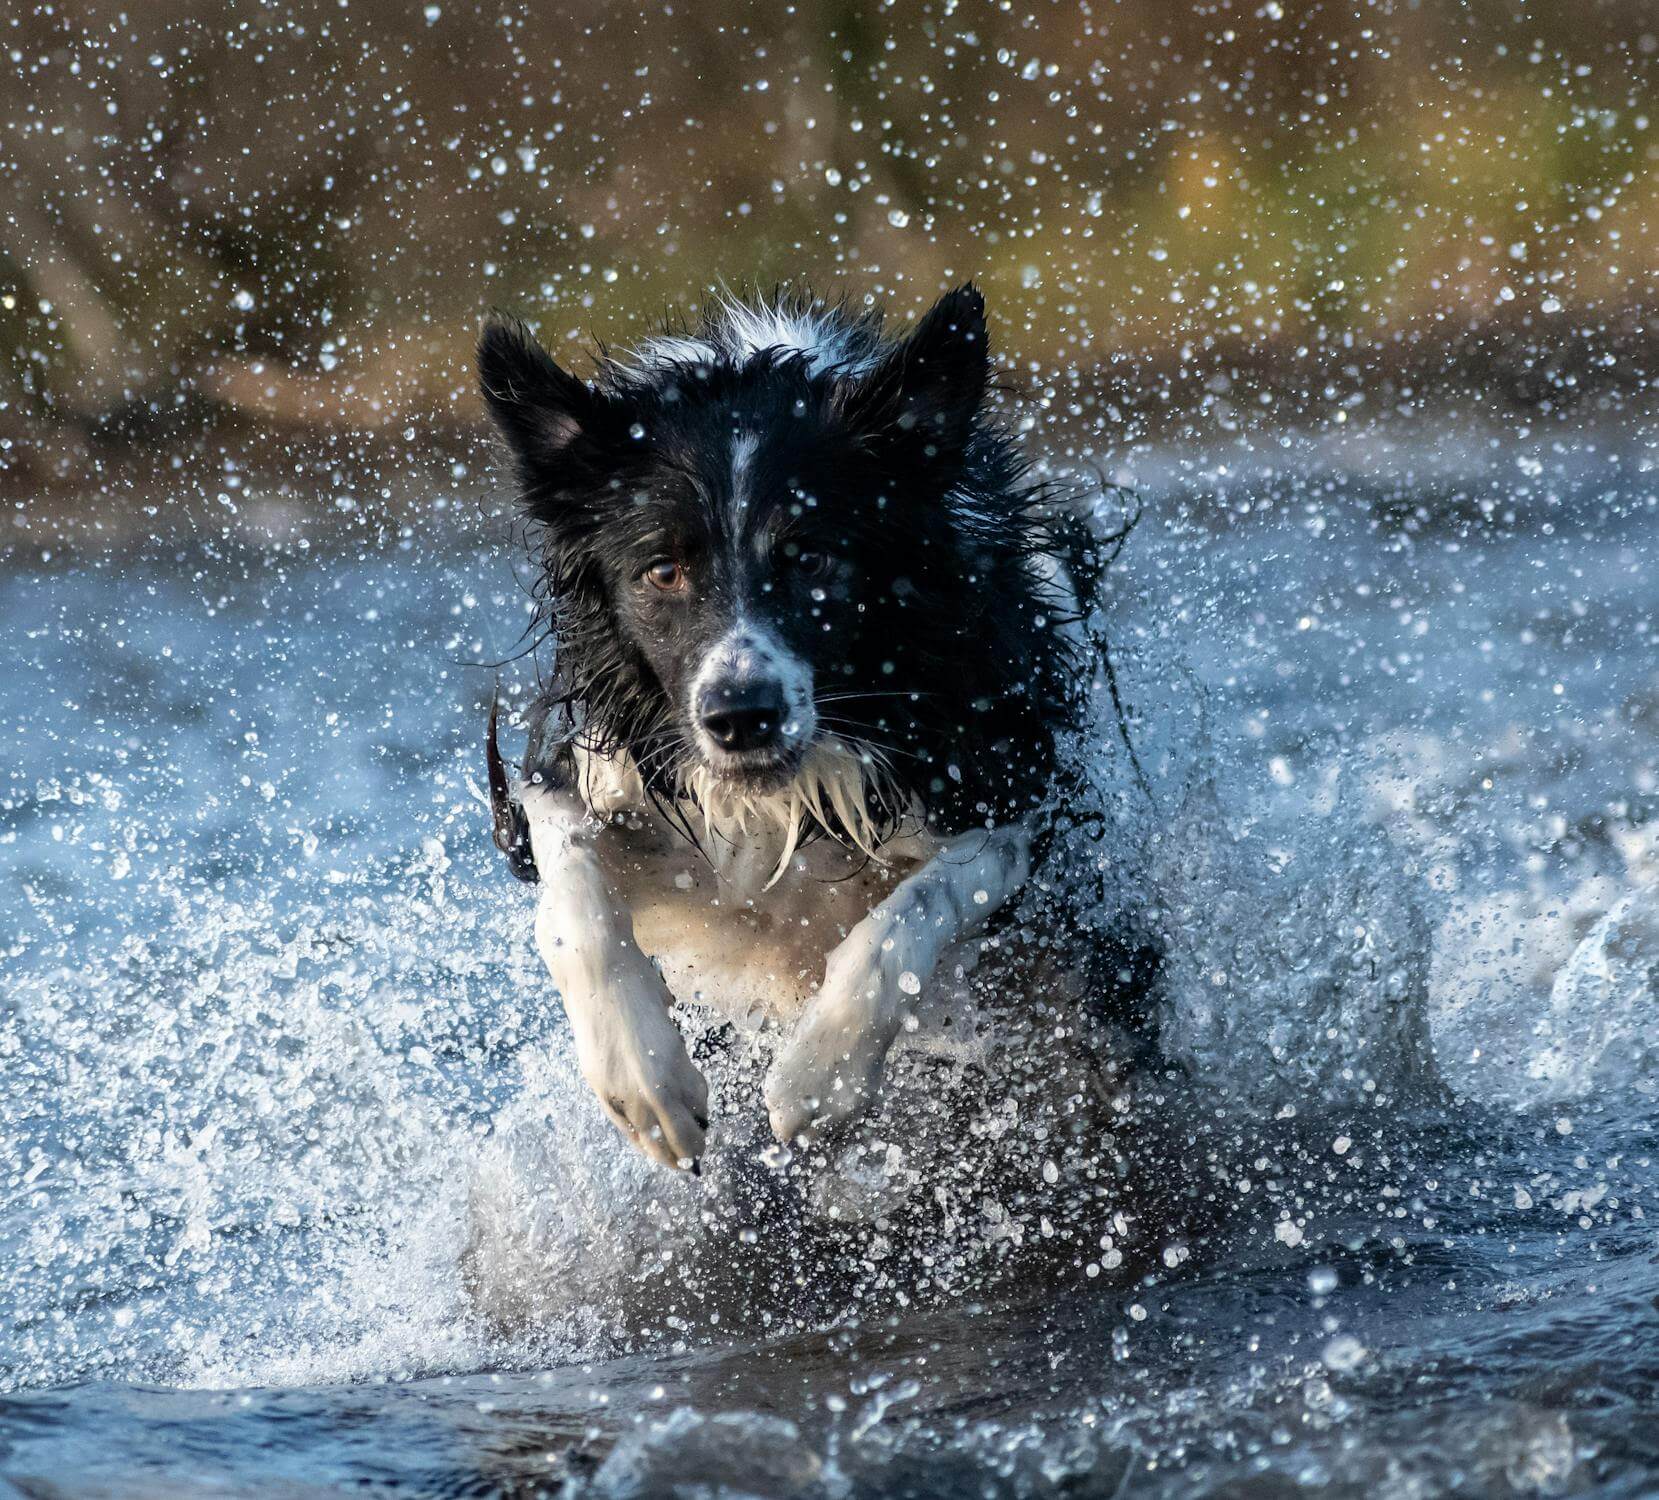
x: 541, y: 410
x: 925, y: 394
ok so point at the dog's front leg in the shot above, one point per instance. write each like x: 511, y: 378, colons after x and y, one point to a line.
x: 630, y: 1051
x: 831, y: 1068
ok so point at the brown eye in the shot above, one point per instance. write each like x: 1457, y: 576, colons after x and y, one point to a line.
x: 812, y: 564
x: 667, y: 576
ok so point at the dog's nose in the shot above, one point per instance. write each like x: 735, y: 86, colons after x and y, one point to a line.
x: 747, y: 716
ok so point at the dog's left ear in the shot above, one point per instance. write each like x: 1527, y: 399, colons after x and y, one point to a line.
x: 552, y: 421
x: 928, y: 389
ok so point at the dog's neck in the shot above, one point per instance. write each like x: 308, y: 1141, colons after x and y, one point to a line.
x: 750, y: 837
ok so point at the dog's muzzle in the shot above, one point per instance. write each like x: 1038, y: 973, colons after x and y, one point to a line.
x: 751, y: 707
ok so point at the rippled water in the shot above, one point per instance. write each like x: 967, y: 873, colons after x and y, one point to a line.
x: 272, y: 1025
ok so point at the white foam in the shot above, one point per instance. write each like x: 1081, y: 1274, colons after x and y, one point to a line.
x: 1292, y: 984
x: 1539, y: 995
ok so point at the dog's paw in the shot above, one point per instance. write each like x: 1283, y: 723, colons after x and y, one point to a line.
x: 635, y: 1061
x: 830, y: 1071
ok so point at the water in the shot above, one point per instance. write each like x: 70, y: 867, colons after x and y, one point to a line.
x: 273, y: 1030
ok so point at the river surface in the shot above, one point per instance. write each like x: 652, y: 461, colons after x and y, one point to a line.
x: 272, y: 1029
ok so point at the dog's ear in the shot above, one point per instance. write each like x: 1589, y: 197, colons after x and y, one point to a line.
x: 926, y: 391
x: 544, y: 412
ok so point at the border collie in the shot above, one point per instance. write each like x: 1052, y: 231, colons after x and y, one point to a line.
x: 815, y: 636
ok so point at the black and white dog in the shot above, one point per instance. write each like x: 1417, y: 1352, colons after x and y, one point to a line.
x: 815, y: 637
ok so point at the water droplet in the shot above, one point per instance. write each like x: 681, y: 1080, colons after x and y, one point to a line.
x: 1344, y: 1352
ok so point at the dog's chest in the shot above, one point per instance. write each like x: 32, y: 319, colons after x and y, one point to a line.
x: 724, y: 936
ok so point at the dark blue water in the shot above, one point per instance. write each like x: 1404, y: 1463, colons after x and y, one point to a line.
x: 270, y: 1011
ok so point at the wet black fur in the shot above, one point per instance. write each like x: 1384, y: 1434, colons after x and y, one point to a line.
x: 936, y: 643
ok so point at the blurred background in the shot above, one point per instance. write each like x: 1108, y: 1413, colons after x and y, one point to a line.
x: 257, y: 238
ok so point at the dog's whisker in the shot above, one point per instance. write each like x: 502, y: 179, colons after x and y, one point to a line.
x: 854, y: 736
x: 842, y: 697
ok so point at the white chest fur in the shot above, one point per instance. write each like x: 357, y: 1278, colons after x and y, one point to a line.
x: 724, y: 932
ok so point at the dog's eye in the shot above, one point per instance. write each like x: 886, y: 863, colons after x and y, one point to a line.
x: 666, y: 575
x: 812, y: 564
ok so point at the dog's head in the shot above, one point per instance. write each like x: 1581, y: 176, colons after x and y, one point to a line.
x: 779, y: 532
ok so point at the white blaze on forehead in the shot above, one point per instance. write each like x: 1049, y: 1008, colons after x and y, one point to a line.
x: 744, y: 447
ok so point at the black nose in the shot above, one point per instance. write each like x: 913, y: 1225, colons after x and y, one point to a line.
x: 745, y: 717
